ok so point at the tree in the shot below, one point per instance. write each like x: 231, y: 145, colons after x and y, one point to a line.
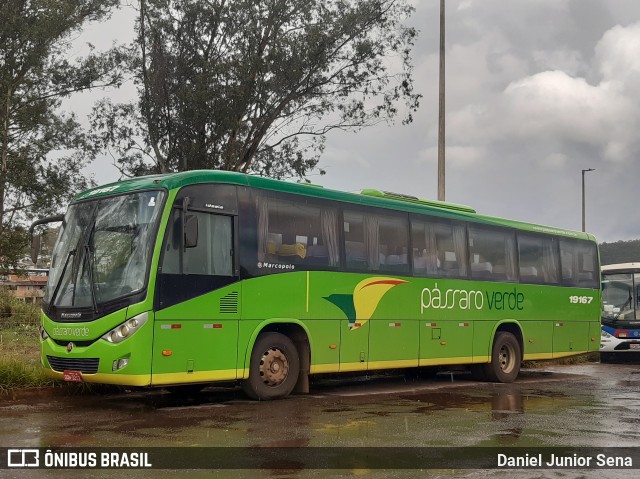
x: 255, y: 86
x: 620, y: 252
x: 41, y: 149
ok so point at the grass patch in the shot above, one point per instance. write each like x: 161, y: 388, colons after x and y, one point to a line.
x: 20, y: 366
x: 18, y: 373
x: 19, y: 345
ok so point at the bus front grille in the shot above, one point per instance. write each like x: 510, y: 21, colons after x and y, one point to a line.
x: 84, y: 365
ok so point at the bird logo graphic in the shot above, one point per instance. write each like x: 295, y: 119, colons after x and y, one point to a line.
x: 360, y: 306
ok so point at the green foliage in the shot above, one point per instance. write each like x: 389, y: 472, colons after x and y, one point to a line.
x: 13, y: 243
x: 13, y: 311
x: 18, y: 373
x: 41, y: 149
x: 620, y: 252
x: 255, y: 86
x: 19, y: 347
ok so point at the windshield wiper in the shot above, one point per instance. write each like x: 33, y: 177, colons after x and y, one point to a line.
x: 91, y: 262
x: 64, y: 269
x: 84, y: 239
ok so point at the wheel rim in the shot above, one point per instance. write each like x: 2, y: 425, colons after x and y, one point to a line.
x: 507, y: 358
x: 274, y: 367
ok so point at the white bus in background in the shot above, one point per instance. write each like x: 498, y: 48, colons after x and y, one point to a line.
x: 620, y: 310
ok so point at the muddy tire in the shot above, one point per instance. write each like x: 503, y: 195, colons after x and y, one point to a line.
x: 505, y: 359
x: 273, y: 369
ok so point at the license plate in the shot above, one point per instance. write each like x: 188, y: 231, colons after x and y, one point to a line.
x: 634, y: 346
x: 73, y: 376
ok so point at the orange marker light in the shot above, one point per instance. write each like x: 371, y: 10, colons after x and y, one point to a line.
x: 333, y: 346
x: 167, y: 352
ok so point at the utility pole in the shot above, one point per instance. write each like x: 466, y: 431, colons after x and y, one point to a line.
x: 441, y: 130
x: 583, y: 221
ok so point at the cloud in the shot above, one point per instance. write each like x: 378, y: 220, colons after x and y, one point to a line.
x: 536, y: 91
x: 553, y: 106
x: 555, y: 161
x: 618, y: 55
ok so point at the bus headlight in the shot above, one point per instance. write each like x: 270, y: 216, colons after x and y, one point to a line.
x: 604, y: 334
x: 126, y: 329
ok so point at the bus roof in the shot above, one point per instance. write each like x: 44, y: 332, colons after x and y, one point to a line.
x: 621, y: 267
x: 366, y: 197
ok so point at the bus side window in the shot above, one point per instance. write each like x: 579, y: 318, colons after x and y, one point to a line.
x: 376, y: 242
x: 538, y: 259
x: 295, y: 232
x: 212, y: 254
x: 171, y: 259
x: 493, y: 253
x: 190, y: 272
x: 579, y: 263
x: 439, y: 248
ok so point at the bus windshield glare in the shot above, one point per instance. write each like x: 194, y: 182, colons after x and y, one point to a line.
x: 103, y: 250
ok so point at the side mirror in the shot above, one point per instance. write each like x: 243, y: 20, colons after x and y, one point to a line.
x: 35, y: 248
x: 35, y: 240
x: 191, y: 231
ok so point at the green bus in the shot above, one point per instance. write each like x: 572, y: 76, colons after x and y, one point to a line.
x: 205, y: 276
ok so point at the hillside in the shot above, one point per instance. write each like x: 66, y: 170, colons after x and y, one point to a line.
x: 620, y: 252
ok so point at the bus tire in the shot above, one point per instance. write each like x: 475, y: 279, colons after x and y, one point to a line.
x: 505, y: 359
x: 273, y: 369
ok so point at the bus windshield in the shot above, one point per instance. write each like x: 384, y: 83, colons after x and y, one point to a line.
x: 618, y: 297
x: 103, y: 250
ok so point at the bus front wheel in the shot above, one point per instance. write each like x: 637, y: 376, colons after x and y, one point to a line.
x: 273, y: 369
x: 505, y: 359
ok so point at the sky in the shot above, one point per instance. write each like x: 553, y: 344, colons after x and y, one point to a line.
x: 536, y: 91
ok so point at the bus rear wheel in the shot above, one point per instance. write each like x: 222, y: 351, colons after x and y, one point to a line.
x: 273, y: 369
x: 505, y: 359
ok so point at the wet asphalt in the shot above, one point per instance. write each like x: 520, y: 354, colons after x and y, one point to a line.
x: 590, y: 405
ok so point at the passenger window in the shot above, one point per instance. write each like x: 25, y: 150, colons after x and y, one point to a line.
x: 538, y: 257
x: 393, y: 239
x: 376, y: 242
x: 296, y: 235
x: 579, y: 261
x: 492, y: 254
x: 439, y: 248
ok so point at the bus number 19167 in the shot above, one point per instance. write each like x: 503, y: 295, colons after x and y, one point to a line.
x: 580, y: 299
